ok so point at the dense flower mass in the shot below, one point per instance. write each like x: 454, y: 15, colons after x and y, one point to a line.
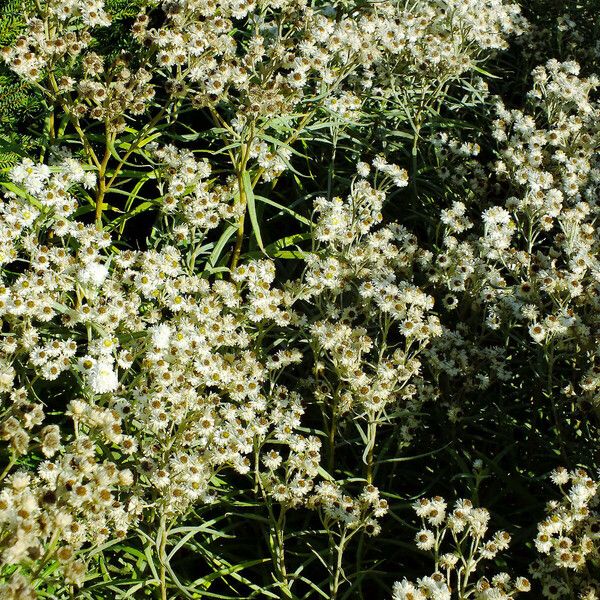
x: 272, y: 272
x: 567, y: 538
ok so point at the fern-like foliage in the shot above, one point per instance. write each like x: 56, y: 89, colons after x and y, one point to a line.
x: 123, y: 9
x: 19, y: 102
x: 12, y: 19
x: 111, y: 41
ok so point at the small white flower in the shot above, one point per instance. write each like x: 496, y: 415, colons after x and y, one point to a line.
x: 405, y: 589
x: 537, y: 332
x: 161, y: 335
x: 363, y: 169
x: 89, y: 180
x: 94, y: 274
x: 560, y: 476
x: 103, y: 378
x: 425, y: 539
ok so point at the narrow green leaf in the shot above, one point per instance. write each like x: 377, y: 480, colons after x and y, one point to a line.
x: 251, y: 204
x: 216, y: 253
x: 289, y: 211
x: 11, y: 187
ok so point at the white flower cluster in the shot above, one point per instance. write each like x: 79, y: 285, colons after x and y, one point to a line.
x: 163, y: 362
x: 35, y: 53
x: 69, y: 502
x: 368, y: 270
x: 467, y: 526
x: 421, y: 42
x: 187, y: 192
x: 533, y: 265
x: 568, y: 539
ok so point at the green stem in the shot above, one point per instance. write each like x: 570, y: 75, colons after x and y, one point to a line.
x: 371, y: 440
x: 553, y: 404
x: 49, y: 552
x: 135, y: 145
x: 242, y: 195
x: 9, y: 466
x: 278, y: 552
x: 332, y: 433
x: 163, y: 558
x: 338, y: 551
x: 239, y: 238
x: 102, y: 187
x: 74, y: 121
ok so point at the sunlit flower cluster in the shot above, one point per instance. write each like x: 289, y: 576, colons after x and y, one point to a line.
x: 456, y: 569
x: 568, y: 538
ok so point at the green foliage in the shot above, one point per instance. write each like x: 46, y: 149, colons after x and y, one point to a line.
x: 12, y: 19
x: 18, y: 101
x: 21, y: 104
